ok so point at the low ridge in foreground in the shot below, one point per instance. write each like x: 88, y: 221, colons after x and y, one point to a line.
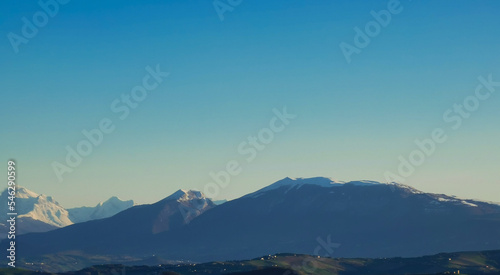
x: 485, y: 262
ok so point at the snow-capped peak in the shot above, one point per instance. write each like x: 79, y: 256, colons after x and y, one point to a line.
x: 319, y: 181
x: 297, y: 182
x: 115, y: 201
x: 24, y: 193
x: 38, y: 207
x: 185, y: 195
x: 407, y: 187
x: 102, y: 210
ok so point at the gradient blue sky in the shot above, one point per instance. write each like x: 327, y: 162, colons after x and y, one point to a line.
x: 354, y: 120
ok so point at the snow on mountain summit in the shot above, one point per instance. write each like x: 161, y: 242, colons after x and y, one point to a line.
x: 185, y: 195
x: 23, y: 193
x: 37, y: 207
x: 319, y: 181
x: 102, y: 210
x: 289, y: 184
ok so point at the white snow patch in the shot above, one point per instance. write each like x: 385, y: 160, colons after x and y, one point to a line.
x: 443, y: 199
x: 38, y: 207
x: 297, y: 183
x: 469, y: 204
x: 186, y: 195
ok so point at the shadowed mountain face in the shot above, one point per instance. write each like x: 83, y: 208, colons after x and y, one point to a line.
x: 26, y: 225
x: 308, y: 216
x: 126, y: 232
x: 357, y: 219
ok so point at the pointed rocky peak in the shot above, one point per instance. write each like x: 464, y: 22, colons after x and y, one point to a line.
x: 185, y: 195
x: 38, y: 207
x: 113, y: 199
x: 116, y: 201
x: 24, y: 193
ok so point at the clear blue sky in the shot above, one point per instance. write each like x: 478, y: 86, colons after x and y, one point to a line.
x: 353, y: 120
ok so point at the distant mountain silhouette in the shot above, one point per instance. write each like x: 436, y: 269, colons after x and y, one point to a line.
x: 102, y: 210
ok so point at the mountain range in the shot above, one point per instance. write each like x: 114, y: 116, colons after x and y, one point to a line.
x: 315, y: 216
x: 41, y: 213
